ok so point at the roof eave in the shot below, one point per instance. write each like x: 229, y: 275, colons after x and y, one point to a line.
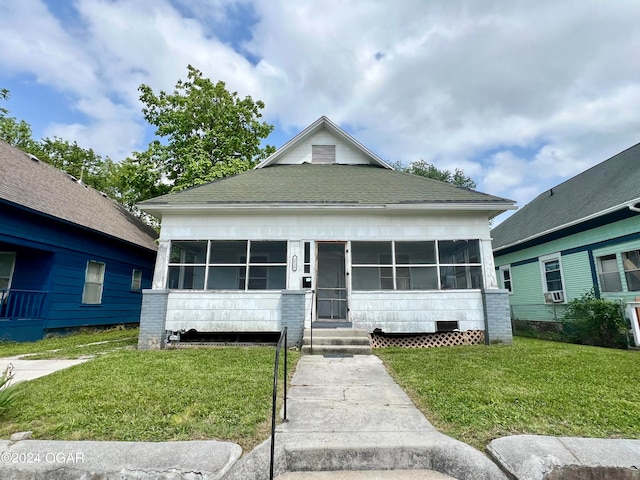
x: 492, y: 208
x: 630, y: 204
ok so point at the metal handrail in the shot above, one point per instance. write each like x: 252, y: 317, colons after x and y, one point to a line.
x: 313, y: 299
x: 283, y: 336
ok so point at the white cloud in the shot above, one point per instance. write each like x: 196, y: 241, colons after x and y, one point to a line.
x: 34, y: 41
x: 519, y: 95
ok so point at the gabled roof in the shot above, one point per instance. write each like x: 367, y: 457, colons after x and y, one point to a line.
x: 326, y: 186
x: 605, y: 188
x: 35, y: 185
x: 322, y: 123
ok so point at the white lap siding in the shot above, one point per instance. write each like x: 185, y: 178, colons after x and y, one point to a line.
x: 413, y: 312
x: 222, y: 311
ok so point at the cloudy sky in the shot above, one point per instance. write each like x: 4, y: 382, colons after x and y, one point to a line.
x: 521, y: 95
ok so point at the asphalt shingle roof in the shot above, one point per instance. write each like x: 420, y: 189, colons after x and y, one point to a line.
x: 321, y: 184
x: 43, y: 188
x: 612, y: 183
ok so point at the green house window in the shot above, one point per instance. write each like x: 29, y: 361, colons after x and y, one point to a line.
x: 631, y: 263
x: 609, y: 274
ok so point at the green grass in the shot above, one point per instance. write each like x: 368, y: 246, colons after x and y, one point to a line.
x: 73, y: 345
x: 478, y: 393
x: 130, y: 395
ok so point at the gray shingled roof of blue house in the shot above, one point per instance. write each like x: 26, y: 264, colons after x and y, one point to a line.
x: 604, y: 188
x: 357, y: 185
x: 35, y: 185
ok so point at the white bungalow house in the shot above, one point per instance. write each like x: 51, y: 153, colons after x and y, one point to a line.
x: 324, y: 231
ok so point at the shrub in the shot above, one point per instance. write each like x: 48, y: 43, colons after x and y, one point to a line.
x: 7, y: 392
x: 595, y: 321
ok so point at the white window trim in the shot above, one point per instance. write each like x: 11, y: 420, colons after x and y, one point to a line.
x: 84, y: 288
x: 543, y: 277
x: 245, y: 264
x: 133, y: 280
x: 625, y: 271
x: 621, y: 273
x: 507, y: 268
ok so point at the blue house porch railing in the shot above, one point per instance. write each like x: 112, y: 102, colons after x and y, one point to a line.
x: 22, y: 304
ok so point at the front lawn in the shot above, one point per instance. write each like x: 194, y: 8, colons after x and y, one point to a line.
x: 130, y: 395
x: 478, y: 393
x: 73, y: 345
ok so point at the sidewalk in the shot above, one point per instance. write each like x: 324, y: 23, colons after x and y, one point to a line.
x: 24, y: 369
x: 347, y: 413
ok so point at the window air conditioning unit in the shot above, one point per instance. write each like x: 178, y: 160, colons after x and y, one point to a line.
x: 554, y: 297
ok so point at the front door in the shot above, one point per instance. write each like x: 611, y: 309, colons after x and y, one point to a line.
x: 331, y: 284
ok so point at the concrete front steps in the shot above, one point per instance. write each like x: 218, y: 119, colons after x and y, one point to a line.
x: 336, y: 341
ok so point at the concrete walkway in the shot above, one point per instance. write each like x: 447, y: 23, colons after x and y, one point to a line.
x: 24, y: 369
x: 347, y: 414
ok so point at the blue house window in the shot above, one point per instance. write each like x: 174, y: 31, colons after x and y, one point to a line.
x: 7, y: 262
x: 93, y: 283
x: 136, y: 280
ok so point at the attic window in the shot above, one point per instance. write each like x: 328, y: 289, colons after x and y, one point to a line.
x: 323, y: 154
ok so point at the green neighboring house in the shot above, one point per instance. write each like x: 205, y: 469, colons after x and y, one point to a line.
x: 580, y: 235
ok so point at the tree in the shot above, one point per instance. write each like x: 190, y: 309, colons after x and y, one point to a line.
x: 426, y: 169
x: 4, y: 95
x: 69, y: 157
x: 18, y: 134
x: 207, y: 132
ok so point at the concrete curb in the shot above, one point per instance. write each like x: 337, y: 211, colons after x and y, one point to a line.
x: 538, y: 457
x: 67, y: 460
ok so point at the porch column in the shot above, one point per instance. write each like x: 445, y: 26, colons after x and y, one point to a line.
x: 497, y: 317
x: 160, y: 271
x: 488, y: 265
x: 292, y: 315
x: 153, y: 318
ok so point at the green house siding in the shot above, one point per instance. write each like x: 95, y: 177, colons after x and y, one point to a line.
x: 579, y: 253
x: 576, y: 270
x: 528, y: 287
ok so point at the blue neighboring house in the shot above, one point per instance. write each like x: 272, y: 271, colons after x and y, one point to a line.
x: 70, y: 256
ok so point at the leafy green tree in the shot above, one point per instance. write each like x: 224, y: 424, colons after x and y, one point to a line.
x: 4, y: 95
x: 205, y: 132
x: 426, y: 169
x: 84, y: 164
x: 18, y: 134
x: 137, y: 178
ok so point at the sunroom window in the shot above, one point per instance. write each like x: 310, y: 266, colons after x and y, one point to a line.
x: 187, y: 264
x: 414, y: 265
x: 460, y: 265
x: 228, y: 264
x: 372, y: 266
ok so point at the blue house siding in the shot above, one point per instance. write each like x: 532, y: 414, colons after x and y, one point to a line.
x: 52, y: 256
